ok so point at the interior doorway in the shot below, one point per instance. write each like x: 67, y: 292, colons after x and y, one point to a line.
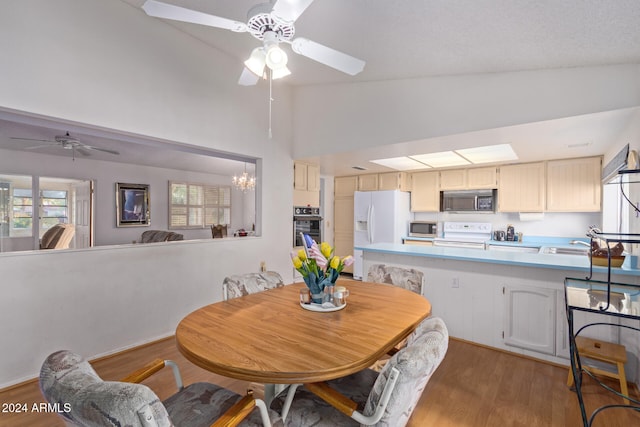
x: 30, y: 205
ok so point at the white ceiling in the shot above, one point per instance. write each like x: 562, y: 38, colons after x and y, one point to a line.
x: 132, y: 149
x: 402, y: 39
x: 579, y: 136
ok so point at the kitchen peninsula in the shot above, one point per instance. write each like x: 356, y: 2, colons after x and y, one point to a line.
x: 509, y: 299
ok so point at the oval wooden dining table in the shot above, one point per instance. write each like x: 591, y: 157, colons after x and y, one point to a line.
x: 268, y: 337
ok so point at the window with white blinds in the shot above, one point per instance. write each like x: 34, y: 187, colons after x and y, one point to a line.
x: 198, y: 205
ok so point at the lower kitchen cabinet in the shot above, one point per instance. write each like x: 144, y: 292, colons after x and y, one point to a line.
x: 530, y: 318
x: 513, y: 308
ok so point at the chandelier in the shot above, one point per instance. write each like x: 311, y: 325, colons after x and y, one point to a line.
x: 245, y: 181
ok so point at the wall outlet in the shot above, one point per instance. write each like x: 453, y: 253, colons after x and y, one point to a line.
x: 455, y: 283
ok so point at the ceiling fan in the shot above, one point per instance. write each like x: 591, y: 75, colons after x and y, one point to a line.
x: 271, y: 23
x: 67, y: 142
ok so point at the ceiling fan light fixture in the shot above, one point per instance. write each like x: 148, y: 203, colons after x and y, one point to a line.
x: 279, y: 73
x: 256, y: 62
x: 276, y: 58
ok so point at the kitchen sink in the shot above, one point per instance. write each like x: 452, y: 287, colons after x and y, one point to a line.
x: 510, y: 248
x: 566, y: 251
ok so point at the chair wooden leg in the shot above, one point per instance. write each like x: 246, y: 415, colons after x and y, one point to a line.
x: 623, y: 381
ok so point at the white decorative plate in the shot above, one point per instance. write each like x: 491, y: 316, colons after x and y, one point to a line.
x: 319, y: 308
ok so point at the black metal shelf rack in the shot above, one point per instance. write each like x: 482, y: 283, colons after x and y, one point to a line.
x: 610, y: 299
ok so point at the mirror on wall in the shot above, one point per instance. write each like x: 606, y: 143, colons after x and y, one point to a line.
x: 44, y: 155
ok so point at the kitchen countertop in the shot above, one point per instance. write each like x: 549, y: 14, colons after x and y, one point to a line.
x: 524, y: 259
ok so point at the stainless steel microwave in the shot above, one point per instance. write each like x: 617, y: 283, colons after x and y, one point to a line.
x: 423, y: 229
x: 468, y: 201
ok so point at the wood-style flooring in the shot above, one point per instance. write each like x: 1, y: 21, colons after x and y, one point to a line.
x: 474, y: 386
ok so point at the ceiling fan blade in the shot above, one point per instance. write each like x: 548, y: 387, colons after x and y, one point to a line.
x: 159, y: 9
x: 30, y: 139
x: 35, y: 147
x: 83, y: 151
x: 327, y: 56
x: 104, y: 150
x: 247, y: 78
x: 290, y: 10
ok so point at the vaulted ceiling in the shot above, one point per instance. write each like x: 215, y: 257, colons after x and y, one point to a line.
x: 405, y: 39
x: 402, y: 39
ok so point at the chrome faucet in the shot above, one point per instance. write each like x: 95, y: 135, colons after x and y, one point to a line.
x: 580, y: 242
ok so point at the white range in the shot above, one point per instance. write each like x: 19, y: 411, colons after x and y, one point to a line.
x: 464, y: 235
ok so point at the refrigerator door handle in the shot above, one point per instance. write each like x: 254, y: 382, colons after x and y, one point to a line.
x: 368, y: 223
x: 372, y: 217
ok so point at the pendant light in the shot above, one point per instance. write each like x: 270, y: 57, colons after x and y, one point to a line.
x: 244, y: 182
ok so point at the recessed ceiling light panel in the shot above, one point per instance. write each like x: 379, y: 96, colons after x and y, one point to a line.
x: 488, y: 153
x: 400, y: 163
x: 441, y: 160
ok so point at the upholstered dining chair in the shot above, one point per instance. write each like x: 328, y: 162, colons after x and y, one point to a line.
x: 406, y: 278
x: 249, y: 283
x: 244, y: 284
x: 83, y: 398
x: 367, y: 397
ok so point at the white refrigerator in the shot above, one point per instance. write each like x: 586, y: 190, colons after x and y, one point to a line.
x: 379, y: 217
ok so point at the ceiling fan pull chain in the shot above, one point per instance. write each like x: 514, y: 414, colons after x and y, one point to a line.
x: 270, y: 101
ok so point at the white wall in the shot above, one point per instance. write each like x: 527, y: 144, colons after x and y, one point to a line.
x: 106, y: 64
x: 344, y: 117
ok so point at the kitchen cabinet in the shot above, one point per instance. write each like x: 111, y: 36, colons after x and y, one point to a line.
x: 482, y: 178
x: 521, y: 188
x: 574, y: 185
x: 368, y: 182
x: 393, y: 181
x: 425, y: 192
x: 306, y: 184
x: 468, y: 179
x: 383, y: 181
x: 455, y: 179
x: 530, y: 318
x: 343, y: 228
x: 344, y: 187
x: 306, y: 176
x: 519, y: 309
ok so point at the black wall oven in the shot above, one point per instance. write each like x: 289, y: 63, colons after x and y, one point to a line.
x: 306, y: 220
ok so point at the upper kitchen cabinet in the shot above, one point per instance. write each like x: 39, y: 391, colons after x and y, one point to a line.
x: 574, y: 185
x: 521, y: 188
x: 383, y: 181
x: 368, y: 182
x: 393, y: 181
x: 345, y: 186
x: 306, y: 176
x: 306, y: 184
x: 425, y: 191
x: 468, y: 179
x: 455, y: 179
x: 482, y: 178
